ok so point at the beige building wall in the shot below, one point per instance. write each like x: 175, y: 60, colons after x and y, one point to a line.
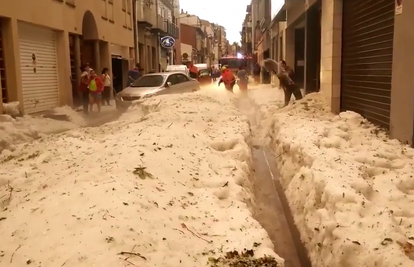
x: 186, y: 48
x: 177, y: 47
x: 223, y: 37
x: 146, y: 41
x: 188, y: 19
x: 402, y: 93
x: 96, y: 20
x: 282, y: 33
x: 331, y: 50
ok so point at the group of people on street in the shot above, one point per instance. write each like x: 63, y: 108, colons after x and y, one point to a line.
x: 95, y: 89
x: 229, y: 79
x: 215, y: 73
x: 283, y: 72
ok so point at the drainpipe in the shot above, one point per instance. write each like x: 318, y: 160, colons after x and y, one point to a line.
x: 158, y: 49
x: 135, y: 28
x: 159, y: 52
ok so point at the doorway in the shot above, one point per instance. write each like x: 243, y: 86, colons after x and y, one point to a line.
x: 155, y: 66
x: 117, y: 73
x: 300, y: 55
x: 75, y: 94
x: 313, y: 48
x: 281, y: 47
x: 141, y: 51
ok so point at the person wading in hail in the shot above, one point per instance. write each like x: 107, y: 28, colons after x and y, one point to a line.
x: 193, y: 70
x: 286, y: 77
x: 106, y: 94
x: 84, y: 90
x: 243, y: 79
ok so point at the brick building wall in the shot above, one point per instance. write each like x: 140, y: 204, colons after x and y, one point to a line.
x: 188, y: 35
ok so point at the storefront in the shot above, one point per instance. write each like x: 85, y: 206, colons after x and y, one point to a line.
x: 39, y: 67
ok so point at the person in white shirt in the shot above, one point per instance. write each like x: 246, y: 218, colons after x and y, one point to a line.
x: 106, y: 94
x: 84, y: 90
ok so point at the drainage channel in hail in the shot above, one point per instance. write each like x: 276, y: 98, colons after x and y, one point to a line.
x: 271, y: 209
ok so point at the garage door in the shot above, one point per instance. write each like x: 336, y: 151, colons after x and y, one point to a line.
x: 367, y: 47
x: 38, y: 59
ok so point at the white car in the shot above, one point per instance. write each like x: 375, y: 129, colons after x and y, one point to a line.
x: 153, y: 84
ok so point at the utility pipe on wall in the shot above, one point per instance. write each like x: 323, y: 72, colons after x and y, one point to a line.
x: 135, y: 7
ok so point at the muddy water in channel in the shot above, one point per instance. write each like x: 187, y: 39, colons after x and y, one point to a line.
x: 273, y: 213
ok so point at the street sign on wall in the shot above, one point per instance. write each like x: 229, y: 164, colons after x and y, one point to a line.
x: 167, y: 42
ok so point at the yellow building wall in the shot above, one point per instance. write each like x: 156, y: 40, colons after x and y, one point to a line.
x: 109, y: 23
x: 57, y: 14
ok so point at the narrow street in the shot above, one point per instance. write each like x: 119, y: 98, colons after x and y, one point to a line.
x: 161, y: 176
x: 262, y: 133
x: 269, y: 210
x: 207, y: 179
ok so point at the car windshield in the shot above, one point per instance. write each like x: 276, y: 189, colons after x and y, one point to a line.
x: 204, y: 72
x: 149, y: 81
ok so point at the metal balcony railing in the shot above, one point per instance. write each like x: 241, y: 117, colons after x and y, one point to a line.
x: 146, y: 16
x: 172, y: 29
x: 160, y: 24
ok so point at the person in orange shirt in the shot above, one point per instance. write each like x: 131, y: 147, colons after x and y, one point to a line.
x: 228, y: 79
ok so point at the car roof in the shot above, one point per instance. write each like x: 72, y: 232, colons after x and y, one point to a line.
x: 177, y: 66
x: 164, y: 73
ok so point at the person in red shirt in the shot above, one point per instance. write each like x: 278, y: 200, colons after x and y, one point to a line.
x: 228, y: 79
x: 193, y: 70
x: 96, y: 87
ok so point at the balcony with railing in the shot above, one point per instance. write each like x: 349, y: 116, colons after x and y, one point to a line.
x: 169, y: 4
x: 160, y: 26
x: 146, y: 17
x: 172, y: 29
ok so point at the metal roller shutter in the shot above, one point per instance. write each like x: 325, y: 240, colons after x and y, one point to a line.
x: 38, y: 59
x: 367, y: 48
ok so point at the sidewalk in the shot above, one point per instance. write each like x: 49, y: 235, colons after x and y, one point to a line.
x: 349, y: 187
